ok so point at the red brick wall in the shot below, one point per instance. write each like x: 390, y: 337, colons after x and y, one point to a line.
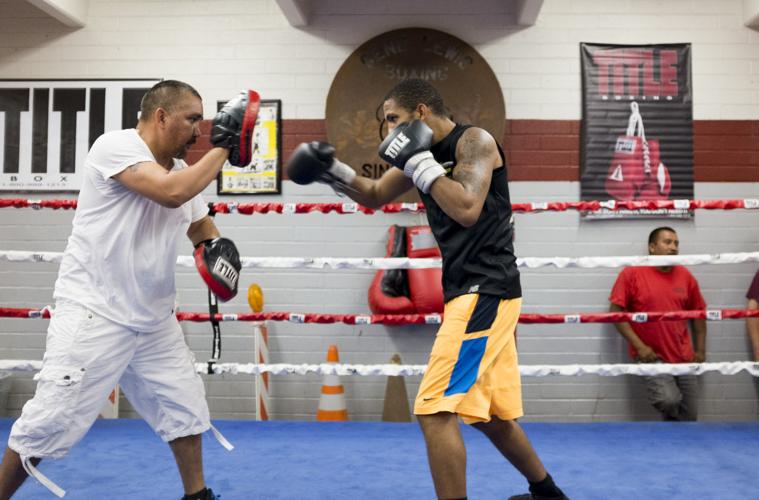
x: 542, y: 150
x: 726, y: 150
x: 549, y: 150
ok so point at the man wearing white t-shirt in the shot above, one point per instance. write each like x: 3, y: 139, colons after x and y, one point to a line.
x: 114, y: 319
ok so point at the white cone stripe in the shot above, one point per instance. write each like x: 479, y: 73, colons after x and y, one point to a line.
x: 332, y: 402
x: 333, y: 380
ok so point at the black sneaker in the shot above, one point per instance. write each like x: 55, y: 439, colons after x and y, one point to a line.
x: 208, y: 495
x: 530, y: 496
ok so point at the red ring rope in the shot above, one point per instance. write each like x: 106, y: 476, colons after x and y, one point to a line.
x: 348, y: 208
x: 408, y: 319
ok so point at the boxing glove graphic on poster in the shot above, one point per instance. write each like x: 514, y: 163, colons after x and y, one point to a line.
x: 636, y: 171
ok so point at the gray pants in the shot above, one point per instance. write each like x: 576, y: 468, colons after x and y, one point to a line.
x: 676, y: 398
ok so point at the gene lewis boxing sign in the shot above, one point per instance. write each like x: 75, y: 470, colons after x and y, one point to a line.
x: 47, y: 127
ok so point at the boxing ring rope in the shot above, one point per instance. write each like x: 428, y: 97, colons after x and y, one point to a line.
x: 610, y: 370
x: 412, y: 263
x: 352, y: 208
x: 431, y: 319
x: 393, y: 370
x: 606, y: 370
x: 643, y: 369
x: 386, y: 319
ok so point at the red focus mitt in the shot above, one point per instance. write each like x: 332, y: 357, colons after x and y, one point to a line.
x: 218, y: 263
x: 233, y: 127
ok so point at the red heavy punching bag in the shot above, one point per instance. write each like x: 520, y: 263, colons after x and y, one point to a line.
x: 388, y: 293
x: 425, y: 285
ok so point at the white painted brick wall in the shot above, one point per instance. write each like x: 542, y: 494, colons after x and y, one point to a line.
x: 221, y: 46
x: 219, y: 50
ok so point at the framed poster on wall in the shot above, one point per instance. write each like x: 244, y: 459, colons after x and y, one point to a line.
x: 264, y: 173
x: 637, y: 127
x: 48, y: 126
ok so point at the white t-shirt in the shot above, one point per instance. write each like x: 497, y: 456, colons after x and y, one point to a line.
x: 121, y: 256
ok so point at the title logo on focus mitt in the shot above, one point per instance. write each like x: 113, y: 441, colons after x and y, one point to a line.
x: 218, y: 263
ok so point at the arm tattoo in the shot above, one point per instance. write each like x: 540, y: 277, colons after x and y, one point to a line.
x: 133, y: 168
x: 473, y: 170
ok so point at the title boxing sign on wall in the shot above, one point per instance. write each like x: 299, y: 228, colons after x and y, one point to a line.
x: 47, y: 127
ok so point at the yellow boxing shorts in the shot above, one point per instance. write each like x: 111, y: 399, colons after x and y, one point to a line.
x: 473, y: 368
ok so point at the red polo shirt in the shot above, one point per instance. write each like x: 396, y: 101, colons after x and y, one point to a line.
x: 643, y: 289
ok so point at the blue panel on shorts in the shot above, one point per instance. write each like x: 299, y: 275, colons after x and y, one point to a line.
x: 484, y: 313
x: 465, y: 372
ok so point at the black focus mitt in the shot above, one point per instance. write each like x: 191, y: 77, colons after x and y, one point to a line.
x: 233, y: 127
x: 218, y: 263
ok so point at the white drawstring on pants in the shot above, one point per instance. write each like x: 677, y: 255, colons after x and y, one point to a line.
x: 30, y: 469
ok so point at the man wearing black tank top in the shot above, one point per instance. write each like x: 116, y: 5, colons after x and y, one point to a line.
x: 472, y: 373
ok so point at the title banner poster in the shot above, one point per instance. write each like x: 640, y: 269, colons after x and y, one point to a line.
x: 637, y: 126
x: 48, y: 126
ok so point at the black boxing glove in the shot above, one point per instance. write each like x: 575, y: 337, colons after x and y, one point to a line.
x: 218, y: 263
x: 407, y: 147
x: 233, y: 127
x: 315, y: 162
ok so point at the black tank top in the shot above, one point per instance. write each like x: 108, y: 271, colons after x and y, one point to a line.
x: 479, y: 258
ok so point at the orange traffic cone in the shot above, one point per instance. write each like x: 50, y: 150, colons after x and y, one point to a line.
x: 332, y: 401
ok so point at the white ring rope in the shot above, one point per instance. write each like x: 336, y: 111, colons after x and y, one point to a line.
x: 606, y: 370
x: 409, y: 263
x: 20, y: 365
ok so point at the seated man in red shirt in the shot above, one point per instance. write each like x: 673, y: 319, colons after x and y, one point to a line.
x: 667, y: 288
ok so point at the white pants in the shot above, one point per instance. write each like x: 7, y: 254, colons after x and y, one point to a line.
x: 86, y: 356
